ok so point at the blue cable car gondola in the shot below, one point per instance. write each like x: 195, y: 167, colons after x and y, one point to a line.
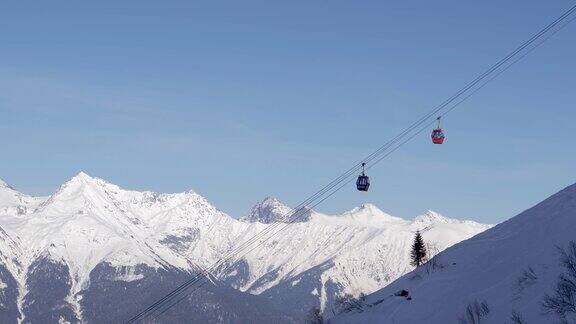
x: 363, y: 182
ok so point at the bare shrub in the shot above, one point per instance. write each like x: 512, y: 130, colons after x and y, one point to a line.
x: 431, y: 261
x: 526, y: 279
x: 432, y: 250
x: 475, y: 313
x: 562, y: 301
x: 516, y: 318
x: 433, y: 265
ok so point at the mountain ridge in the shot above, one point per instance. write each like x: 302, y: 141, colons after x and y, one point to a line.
x: 96, y: 233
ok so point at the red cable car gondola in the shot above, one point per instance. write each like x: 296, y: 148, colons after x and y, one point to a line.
x: 363, y: 182
x: 438, y: 135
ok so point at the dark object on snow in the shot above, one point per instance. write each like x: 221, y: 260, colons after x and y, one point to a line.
x: 402, y: 293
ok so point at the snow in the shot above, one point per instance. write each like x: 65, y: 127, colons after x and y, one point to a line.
x: 490, y: 267
x: 15, y: 203
x: 367, y: 215
x: 88, y: 221
x: 361, y: 250
x: 270, y: 210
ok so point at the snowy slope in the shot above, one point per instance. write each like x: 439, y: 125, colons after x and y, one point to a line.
x: 91, y: 236
x: 15, y: 203
x: 509, y: 269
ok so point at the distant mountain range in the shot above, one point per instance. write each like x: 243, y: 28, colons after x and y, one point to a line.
x: 93, y: 252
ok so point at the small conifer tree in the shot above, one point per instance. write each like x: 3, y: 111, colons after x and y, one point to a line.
x: 418, y: 253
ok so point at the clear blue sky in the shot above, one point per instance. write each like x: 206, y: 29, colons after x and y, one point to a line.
x: 243, y: 99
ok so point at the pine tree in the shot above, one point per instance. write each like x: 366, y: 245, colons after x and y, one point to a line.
x: 418, y: 253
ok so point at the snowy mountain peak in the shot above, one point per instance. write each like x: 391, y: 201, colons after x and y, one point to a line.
x: 371, y: 211
x: 76, y: 187
x: 431, y: 216
x: 271, y: 200
x: 269, y: 210
x: 82, y: 174
x: 371, y: 208
x: 366, y: 215
x: 84, y: 178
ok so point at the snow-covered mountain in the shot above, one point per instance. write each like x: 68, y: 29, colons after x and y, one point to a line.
x: 499, y: 276
x: 94, y: 252
x: 314, y: 262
